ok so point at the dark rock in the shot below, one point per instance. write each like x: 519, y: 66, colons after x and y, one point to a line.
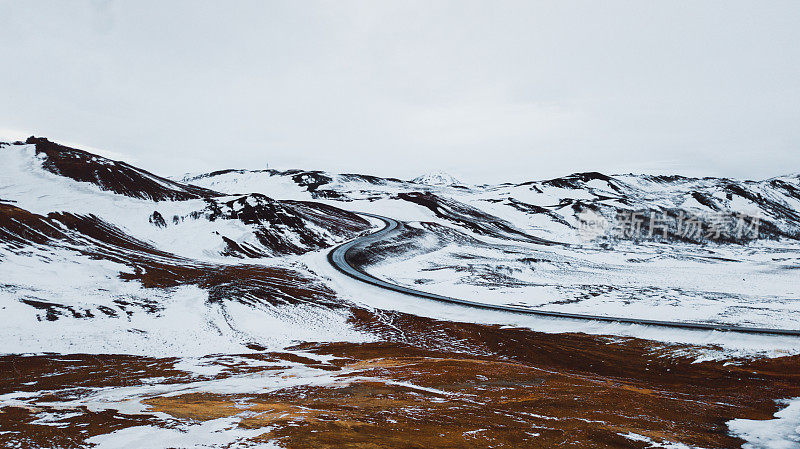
x: 156, y: 219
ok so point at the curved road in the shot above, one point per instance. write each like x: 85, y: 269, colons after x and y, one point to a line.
x: 338, y: 257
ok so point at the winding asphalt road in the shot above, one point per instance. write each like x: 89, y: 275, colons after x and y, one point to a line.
x: 338, y: 257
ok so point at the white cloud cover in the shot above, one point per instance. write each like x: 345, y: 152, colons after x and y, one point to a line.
x: 488, y: 91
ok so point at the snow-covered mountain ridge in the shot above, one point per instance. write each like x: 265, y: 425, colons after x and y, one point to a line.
x: 552, y: 208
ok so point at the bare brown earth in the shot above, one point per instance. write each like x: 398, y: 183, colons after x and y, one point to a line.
x: 432, y: 384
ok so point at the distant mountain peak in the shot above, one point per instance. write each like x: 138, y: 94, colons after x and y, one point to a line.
x: 437, y: 178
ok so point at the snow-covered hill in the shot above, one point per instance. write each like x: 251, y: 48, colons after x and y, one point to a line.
x: 105, y: 257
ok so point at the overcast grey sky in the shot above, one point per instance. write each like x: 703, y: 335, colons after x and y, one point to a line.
x: 491, y: 91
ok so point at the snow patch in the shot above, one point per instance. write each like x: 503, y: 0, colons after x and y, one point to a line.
x: 783, y: 432
x: 655, y: 444
x: 221, y: 432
